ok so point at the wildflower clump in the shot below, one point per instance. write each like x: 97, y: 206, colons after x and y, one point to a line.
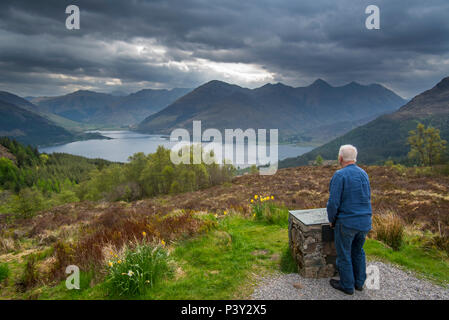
x: 265, y: 209
x: 140, y: 268
x: 259, y: 204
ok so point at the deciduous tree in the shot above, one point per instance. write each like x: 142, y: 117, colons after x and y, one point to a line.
x: 426, y: 145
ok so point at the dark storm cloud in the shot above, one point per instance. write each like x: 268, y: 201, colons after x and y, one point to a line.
x: 135, y: 44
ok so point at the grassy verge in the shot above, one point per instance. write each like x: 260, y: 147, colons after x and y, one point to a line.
x: 221, y: 264
x: 227, y: 261
x: 427, y: 263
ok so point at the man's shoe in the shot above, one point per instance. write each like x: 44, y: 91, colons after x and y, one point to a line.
x: 336, y: 285
x: 359, y: 288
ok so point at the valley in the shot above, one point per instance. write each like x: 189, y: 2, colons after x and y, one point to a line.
x: 100, y: 198
x: 223, y: 154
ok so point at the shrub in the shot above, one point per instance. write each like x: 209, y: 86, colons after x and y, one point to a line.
x: 399, y: 168
x: 29, y: 275
x: 140, y: 268
x: 63, y: 254
x: 440, y: 242
x: 424, y: 172
x: 389, y: 229
x: 66, y: 196
x: 28, y: 202
x: 4, y: 272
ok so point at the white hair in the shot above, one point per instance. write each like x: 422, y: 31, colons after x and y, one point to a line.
x: 348, y: 152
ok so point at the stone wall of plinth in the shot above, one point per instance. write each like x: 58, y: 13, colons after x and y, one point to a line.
x: 315, y: 257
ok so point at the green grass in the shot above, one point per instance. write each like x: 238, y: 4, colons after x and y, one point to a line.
x: 86, y: 292
x: 225, y: 263
x: 428, y: 263
x: 4, y: 272
x: 220, y: 264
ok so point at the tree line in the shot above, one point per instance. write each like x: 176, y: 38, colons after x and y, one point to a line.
x: 151, y: 175
x: 37, y: 181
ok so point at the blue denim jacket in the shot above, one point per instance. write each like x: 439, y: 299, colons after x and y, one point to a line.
x: 350, y: 198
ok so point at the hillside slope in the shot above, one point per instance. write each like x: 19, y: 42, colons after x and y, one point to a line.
x: 29, y: 127
x: 27, y: 105
x: 291, y: 110
x: 213, y: 237
x: 18, y: 101
x: 386, y: 136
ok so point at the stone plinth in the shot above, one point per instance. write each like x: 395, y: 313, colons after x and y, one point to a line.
x: 311, y: 241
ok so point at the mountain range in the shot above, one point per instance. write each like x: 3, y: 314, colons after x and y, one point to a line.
x: 104, y: 109
x: 311, y: 114
x: 386, y: 136
x: 315, y: 113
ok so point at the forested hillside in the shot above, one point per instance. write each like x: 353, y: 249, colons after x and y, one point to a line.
x: 39, y: 181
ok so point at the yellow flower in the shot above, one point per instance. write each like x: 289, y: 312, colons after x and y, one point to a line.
x: 111, y: 253
x: 255, y: 196
x: 144, y: 234
x: 120, y: 261
x: 163, y: 243
x: 225, y: 212
x: 252, y: 200
x: 272, y: 197
x: 216, y: 215
x: 254, y: 215
x: 110, y: 264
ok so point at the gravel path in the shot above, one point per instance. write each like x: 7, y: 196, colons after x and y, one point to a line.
x: 395, y: 284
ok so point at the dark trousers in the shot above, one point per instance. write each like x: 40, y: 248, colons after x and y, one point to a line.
x: 351, y: 261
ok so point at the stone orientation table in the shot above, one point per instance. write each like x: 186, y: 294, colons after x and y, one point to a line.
x: 311, y: 241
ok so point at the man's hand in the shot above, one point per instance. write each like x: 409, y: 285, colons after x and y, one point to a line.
x: 332, y: 225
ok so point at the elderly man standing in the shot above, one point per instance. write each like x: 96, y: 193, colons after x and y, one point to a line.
x: 349, y: 212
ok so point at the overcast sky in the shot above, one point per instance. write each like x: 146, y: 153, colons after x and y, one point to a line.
x: 128, y: 45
